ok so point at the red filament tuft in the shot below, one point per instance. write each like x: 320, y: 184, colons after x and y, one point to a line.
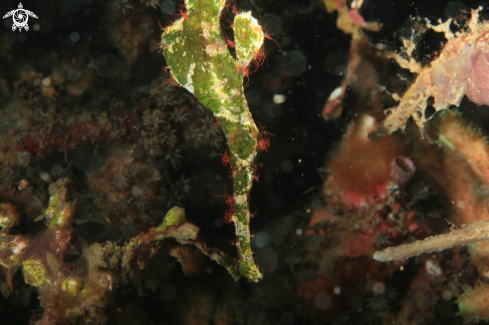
x: 182, y: 10
x: 227, y: 217
x: 226, y: 159
x: 235, y: 9
x: 264, y: 141
x: 230, y: 42
x: 267, y: 36
x: 260, y: 57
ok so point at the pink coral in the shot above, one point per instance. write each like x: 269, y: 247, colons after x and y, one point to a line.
x: 477, y: 76
x: 460, y: 69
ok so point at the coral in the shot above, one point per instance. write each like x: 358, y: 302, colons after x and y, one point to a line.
x: 123, y: 6
x: 62, y: 293
x: 464, y: 158
x: 180, y: 115
x: 362, y: 171
x: 473, y: 303
x: 349, y: 19
x: 129, y: 226
x: 373, y: 178
x: 200, y: 61
x: 9, y: 215
x: 118, y: 145
x: 68, y: 291
x: 378, y: 303
x: 151, y: 3
x: 135, y: 145
x: 459, y: 70
x: 475, y: 232
x: 463, y: 151
x: 367, y: 67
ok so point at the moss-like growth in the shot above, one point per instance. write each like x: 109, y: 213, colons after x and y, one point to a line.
x: 35, y: 273
x: 9, y: 215
x: 175, y: 217
x: 473, y: 303
x: 66, y: 293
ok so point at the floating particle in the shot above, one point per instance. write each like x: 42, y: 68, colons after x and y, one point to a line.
x: 379, y: 288
x: 287, y: 166
x: 293, y: 62
x: 278, y: 98
x: 168, y: 7
x: 271, y: 23
x: 322, y: 301
x: 74, y: 37
x: 316, y: 204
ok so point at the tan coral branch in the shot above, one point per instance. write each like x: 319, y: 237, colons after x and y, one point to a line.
x: 478, y: 231
x: 459, y: 70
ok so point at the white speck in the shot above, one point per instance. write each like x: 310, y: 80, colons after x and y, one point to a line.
x: 316, y: 203
x: 447, y: 295
x: 75, y: 37
x: 432, y: 268
x: 46, y: 81
x: 379, y: 288
x: 45, y: 177
x: 278, y: 98
x: 322, y: 301
x: 335, y: 93
x: 18, y: 246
